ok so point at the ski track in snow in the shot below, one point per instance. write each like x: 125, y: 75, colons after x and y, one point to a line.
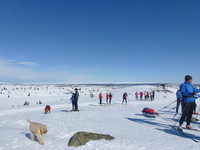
x: 132, y: 131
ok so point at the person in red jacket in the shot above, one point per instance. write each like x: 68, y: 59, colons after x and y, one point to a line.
x: 141, y: 95
x: 100, y: 98
x: 136, y: 95
x: 107, y: 97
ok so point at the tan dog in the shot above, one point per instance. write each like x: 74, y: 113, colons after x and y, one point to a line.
x: 47, y: 109
x: 38, y: 129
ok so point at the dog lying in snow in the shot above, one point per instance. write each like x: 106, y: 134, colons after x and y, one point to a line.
x: 47, y: 109
x: 38, y: 129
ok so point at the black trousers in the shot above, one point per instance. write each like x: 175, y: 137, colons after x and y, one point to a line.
x: 100, y: 101
x: 76, y: 105
x: 187, y: 112
x: 110, y: 100
x: 124, y: 99
x: 195, y: 106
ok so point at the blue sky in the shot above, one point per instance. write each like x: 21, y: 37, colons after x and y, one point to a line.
x: 99, y: 40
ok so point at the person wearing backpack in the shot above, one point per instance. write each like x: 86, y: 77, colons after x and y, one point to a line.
x: 179, y: 101
x: 188, y: 93
x: 125, y: 95
x: 100, y: 98
x: 73, y: 98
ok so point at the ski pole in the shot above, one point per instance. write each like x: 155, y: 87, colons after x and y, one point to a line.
x: 168, y: 111
x: 167, y: 106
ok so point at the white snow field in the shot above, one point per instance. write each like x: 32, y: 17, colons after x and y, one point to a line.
x: 132, y: 130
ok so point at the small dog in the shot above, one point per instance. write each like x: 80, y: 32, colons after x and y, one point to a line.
x: 47, y: 109
x: 38, y: 129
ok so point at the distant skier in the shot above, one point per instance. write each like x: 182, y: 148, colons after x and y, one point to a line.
x: 110, y: 98
x: 107, y: 97
x: 153, y: 95
x: 136, y: 95
x: 76, y: 99
x: 141, y: 95
x: 100, y: 98
x: 147, y: 95
x: 188, y: 92
x: 179, y: 100
x: 125, y: 95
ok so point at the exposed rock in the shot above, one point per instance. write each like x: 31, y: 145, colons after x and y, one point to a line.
x: 26, y: 103
x: 81, y: 138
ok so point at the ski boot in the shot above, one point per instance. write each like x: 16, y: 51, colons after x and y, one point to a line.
x: 188, y: 127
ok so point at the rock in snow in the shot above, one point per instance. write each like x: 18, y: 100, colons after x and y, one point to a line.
x: 81, y: 138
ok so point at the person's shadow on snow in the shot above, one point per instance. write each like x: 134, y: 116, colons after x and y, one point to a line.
x: 147, y: 121
x: 176, y: 133
x: 167, y: 128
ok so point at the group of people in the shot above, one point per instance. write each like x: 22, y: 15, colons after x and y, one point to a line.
x: 108, y: 98
x: 145, y: 95
x: 186, y: 96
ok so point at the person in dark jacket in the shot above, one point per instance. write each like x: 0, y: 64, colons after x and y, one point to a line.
x: 125, y: 95
x: 110, y: 98
x: 153, y: 95
x: 76, y: 99
x: 188, y: 92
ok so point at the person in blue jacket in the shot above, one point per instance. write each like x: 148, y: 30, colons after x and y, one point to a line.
x: 73, y: 98
x: 188, y: 93
x: 179, y: 100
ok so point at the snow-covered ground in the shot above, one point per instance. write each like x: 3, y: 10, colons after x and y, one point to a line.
x: 132, y: 131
